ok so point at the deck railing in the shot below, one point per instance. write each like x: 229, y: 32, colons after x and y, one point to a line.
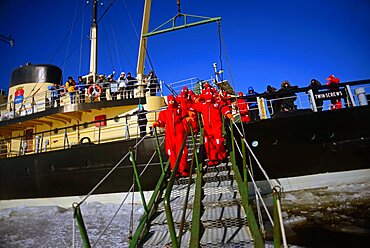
x: 116, y: 129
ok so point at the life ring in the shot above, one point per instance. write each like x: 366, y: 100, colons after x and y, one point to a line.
x: 91, y: 88
x: 88, y: 140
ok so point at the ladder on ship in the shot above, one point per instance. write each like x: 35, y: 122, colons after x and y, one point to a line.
x: 210, y: 208
x: 207, y: 209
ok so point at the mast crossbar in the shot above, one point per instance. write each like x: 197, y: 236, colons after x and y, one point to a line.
x: 175, y: 27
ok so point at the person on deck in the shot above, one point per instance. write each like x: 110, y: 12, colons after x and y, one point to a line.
x: 71, y: 88
x: 153, y: 84
x: 81, y: 86
x: 122, y: 85
x: 213, y: 141
x: 113, y: 86
x: 332, y: 82
x: 314, y: 85
x: 141, y: 119
x: 55, y: 91
x: 173, y: 120
x: 253, y: 106
x: 288, y: 97
x: 131, y: 85
x: 243, y: 109
x: 184, y: 99
x: 273, y: 104
x: 102, y: 82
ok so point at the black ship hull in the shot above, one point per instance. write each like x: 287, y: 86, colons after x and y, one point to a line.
x: 75, y: 171
x: 298, y: 144
x: 306, y: 143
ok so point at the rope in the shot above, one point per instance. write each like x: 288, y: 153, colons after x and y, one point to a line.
x: 124, y: 200
x: 81, y: 47
x: 106, y: 10
x: 70, y: 34
x: 220, y: 46
x: 227, y: 58
x: 109, y: 51
x: 256, y: 188
x: 255, y: 158
x: 147, y: 58
x: 108, y: 174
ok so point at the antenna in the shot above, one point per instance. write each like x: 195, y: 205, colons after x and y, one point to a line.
x: 7, y: 39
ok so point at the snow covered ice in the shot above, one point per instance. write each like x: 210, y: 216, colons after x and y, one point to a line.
x: 342, y: 209
x: 52, y: 226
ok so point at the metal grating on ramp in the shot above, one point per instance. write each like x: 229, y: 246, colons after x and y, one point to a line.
x: 223, y: 220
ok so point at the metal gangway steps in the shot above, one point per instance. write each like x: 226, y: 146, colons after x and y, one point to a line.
x: 223, y: 219
x: 210, y: 208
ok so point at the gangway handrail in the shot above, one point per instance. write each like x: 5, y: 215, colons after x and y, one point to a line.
x: 78, y: 215
x: 276, y: 223
x: 167, y: 201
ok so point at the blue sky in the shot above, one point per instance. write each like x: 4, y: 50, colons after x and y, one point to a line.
x: 266, y: 41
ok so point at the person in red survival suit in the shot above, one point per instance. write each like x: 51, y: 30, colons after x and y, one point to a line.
x: 332, y: 82
x: 174, y: 121
x: 243, y: 108
x: 184, y: 99
x: 212, y: 121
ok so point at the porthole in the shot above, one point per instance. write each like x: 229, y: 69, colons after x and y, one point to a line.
x: 51, y: 168
x: 27, y: 171
x: 255, y: 143
x: 275, y: 142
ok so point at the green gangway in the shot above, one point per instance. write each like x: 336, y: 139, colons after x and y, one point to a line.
x: 207, y: 209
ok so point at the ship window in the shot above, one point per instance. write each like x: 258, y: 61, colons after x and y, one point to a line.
x: 255, y: 143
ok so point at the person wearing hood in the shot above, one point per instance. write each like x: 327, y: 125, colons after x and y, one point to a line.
x: 332, y: 82
x: 141, y: 119
x: 243, y: 108
x: 174, y: 121
x: 287, y: 103
x: 314, y: 85
x: 253, y: 106
x: 272, y: 104
x: 213, y: 141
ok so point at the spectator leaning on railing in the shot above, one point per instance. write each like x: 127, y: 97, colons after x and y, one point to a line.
x: 71, y: 88
x: 131, y: 85
x: 55, y: 91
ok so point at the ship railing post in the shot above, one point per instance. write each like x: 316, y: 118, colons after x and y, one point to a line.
x: 99, y: 132
x: 261, y: 108
x: 312, y: 100
x: 350, y: 96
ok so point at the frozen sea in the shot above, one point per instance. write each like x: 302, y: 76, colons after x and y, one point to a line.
x: 327, y: 217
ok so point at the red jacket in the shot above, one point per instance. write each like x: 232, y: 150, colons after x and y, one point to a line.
x: 211, y: 113
x: 172, y: 119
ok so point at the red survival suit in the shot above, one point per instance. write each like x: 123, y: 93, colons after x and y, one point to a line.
x: 212, y: 121
x: 172, y: 119
x: 185, y: 101
x: 243, y: 108
x: 333, y: 82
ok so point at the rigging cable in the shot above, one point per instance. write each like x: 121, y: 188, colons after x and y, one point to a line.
x: 220, y: 49
x: 70, y: 34
x: 109, y: 51
x: 51, y: 60
x: 227, y: 58
x: 106, y: 10
x: 81, y: 47
x: 147, y: 58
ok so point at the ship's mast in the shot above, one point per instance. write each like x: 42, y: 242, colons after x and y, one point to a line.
x: 94, y: 41
x: 143, y: 40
